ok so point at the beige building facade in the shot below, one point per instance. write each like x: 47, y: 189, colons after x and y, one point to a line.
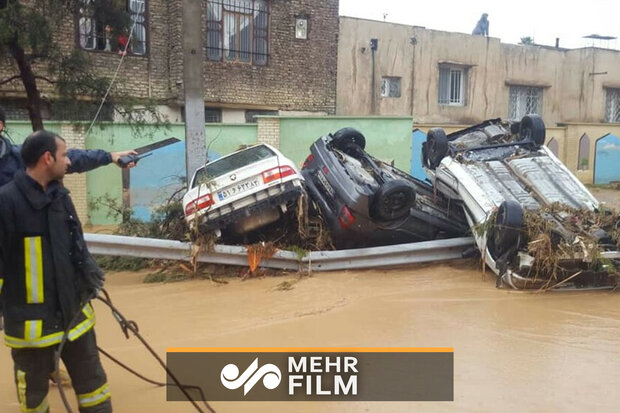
x: 453, y: 80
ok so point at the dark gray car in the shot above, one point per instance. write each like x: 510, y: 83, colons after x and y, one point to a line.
x: 367, y: 202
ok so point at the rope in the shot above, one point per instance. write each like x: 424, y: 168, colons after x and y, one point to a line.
x: 107, y: 92
x: 126, y: 327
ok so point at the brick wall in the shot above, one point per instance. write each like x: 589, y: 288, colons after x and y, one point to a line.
x: 300, y: 74
x: 269, y: 131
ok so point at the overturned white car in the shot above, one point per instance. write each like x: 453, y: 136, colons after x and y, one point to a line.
x: 243, y: 191
x: 535, y: 223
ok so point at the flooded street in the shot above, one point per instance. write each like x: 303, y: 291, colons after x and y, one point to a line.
x: 514, y: 351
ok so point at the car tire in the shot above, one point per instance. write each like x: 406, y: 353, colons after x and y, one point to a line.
x: 508, y: 222
x: 436, y: 147
x: 393, y: 200
x: 533, y: 128
x: 348, y: 136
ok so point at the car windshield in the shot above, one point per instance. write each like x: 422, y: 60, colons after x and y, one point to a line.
x: 230, y: 163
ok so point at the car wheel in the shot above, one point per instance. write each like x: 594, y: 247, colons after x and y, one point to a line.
x: 393, y: 200
x: 507, y: 231
x: 436, y: 147
x: 533, y: 128
x: 348, y: 136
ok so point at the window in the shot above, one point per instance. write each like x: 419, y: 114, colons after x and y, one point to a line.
x: 524, y: 100
x: 583, y: 159
x: 98, y: 30
x: 237, y: 31
x: 301, y: 28
x: 612, y: 107
x: 212, y: 115
x: 390, y: 87
x: 452, y: 85
x: 250, y: 115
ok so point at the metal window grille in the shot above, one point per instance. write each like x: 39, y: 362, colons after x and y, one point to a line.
x: 451, y: 86
x: 523, y: 101
x: 92, y: 33
x: 390, y: 87
x: 237, y: 31
x: 213, y: 115
x: 87, y: 27
x: 137, y: 9
x: 612, y: 107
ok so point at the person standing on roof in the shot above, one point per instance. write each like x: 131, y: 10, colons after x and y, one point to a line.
x: 482, y: 27
x: 47, y: 279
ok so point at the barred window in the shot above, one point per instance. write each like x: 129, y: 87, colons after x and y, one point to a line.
x: 524, y: 100
x: 612, y: 106
x: 390, y: 87
x: 237, y: 31
x: 452, y: 80
x: 95, y: 33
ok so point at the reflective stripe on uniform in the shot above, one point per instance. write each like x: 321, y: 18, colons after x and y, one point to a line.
x: 21, y: 395
x: 94, y: 398
x: 85, y: 325
x: 1, y: 284
x: 33, y: 330
x: 33, y: 260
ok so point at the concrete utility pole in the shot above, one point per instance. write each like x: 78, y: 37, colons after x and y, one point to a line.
x: 193, y: 64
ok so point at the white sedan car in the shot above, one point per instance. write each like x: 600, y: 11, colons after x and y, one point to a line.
x: 535, y: 223
x: 242, y: 191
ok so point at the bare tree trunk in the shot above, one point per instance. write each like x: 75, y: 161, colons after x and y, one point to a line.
x: 30, y: 84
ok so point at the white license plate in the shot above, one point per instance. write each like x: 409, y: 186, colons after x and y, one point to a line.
x: 237, y: 189
x: 323, y: 180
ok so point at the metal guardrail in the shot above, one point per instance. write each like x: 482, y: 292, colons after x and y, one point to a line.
x: 402, y: 254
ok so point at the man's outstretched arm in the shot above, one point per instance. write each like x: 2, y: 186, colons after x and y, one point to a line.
x: 83, y: 160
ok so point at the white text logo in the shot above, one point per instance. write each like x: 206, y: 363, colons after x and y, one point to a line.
x: 231, y: 379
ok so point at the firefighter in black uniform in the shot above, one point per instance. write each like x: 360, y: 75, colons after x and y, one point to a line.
x: 47, y: 277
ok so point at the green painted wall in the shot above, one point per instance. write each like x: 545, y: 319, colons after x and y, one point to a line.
x: 19, y: 129
x: 224, y: 138
x: 386, y: 137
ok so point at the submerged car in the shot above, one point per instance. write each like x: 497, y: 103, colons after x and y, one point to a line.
x: 243, y: 191
x: 366, y: 202
x: 535, y: 223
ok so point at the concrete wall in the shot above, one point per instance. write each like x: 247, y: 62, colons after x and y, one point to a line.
x: 573, y: 81
x: 387, y: 138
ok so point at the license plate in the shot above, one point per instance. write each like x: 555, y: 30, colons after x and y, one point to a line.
x: 323, y: 180
x: 237, y: 189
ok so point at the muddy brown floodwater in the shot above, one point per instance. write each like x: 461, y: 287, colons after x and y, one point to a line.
x: 513, y: 351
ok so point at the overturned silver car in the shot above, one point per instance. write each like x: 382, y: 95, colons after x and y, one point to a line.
x: 535, y: 223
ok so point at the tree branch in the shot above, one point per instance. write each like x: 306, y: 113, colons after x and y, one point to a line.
x: 10, y: 79
x: 50, y: 81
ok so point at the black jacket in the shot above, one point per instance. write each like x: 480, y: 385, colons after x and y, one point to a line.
x: 81, y: 160
x: 42, y: 290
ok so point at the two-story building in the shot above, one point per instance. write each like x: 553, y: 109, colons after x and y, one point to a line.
x: 260, y: 56
x: 452, y: 79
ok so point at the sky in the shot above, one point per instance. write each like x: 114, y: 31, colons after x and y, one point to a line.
x: 508, y: 21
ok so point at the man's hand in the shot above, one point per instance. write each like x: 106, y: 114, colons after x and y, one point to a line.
x: 117, y: 155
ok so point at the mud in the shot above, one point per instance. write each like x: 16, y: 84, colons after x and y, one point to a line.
x: 514, y: 351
